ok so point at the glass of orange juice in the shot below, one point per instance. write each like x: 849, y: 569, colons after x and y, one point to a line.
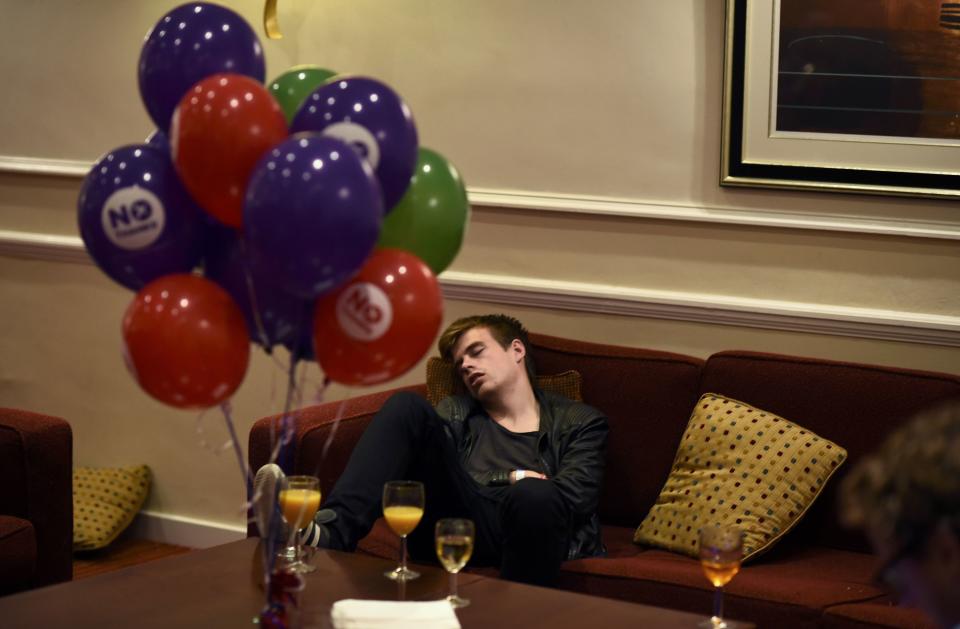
x: 403, y: 507
x: 299, y: 500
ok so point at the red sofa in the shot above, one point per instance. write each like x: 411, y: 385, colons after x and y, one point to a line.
x: 36, y: 500
x: 819, y: 575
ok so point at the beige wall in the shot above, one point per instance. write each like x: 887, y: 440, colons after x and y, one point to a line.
x: 616, y: 103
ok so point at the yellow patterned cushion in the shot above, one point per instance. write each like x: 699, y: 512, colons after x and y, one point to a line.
x: 105, y: 501
x: 442, y: 381
x: 737, y: 464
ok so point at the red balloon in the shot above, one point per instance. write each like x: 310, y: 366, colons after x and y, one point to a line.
x: 185, y: 341
x: 221, y: 128
x: 380, y: 323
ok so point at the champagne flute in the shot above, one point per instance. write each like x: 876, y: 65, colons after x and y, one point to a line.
x: 299, y: 500
x: 454, y: 540
x: 721, y: 549
x: 402, y: 508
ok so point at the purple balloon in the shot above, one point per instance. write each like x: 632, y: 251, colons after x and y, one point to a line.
x: 283, y: 317
x: 136, y: 219
x: 158, y: 139
x: 188, y: 44
x: 312, y: 213
x: 372, y: 118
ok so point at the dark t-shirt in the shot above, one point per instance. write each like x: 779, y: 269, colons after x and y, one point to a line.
x: 497, y: 448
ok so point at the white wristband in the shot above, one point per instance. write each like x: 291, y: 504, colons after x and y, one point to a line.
x: 520, y: 475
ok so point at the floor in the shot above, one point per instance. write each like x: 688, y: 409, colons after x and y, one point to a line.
x: 123, y: 552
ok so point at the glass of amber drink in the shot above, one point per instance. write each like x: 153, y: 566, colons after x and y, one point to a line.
x: 299, y: 500
x: 721, y: 549
x: 402, y: 508
x: 454, y: 542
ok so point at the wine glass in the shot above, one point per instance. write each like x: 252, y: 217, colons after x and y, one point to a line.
x: 454, y: 540
x: 402, y: 508
x: 299, y: 500
x: 721, y: 549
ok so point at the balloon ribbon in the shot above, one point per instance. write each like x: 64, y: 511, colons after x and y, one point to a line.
x: 270, y: 23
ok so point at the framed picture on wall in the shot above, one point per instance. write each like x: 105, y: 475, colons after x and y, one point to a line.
x: 843, y: 95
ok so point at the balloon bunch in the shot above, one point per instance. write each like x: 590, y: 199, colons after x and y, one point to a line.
x: 302, y: 214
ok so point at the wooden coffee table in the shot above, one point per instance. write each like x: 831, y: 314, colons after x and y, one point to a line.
x: 217, y: 588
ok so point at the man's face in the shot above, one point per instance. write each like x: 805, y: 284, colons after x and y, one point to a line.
x: 484, y: 365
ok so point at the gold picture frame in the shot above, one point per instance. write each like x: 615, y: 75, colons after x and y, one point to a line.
x: 764, y: 146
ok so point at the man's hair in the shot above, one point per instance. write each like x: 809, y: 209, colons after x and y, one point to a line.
x: 502, y: 328
x: 911, y: 483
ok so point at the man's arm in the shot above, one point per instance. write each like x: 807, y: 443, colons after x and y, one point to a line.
x: 495, y: 477
x: 580, y: 474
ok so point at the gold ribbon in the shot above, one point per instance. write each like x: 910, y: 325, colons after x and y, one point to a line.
x: 270, y: 23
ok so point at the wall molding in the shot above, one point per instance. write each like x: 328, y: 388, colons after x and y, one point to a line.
x: 611, y: 206
x: 769, y: 314
x: 44, y: 166
x: 695, y: 307
x: 183, y: 531
x: 49, y: 247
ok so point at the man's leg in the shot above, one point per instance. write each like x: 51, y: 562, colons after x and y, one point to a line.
x: 405, y: 440
x: 535, y: 529
x: 456, y: 495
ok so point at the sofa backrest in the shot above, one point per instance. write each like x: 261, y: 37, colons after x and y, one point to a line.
x: 853, y: 405
x: 647, y: 396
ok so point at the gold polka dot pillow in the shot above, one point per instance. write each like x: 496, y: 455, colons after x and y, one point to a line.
x: 737, y: 464
x: 105, y: 501
x: 442, y: 381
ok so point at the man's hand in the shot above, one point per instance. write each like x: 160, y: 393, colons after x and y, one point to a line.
x: 516, y: 475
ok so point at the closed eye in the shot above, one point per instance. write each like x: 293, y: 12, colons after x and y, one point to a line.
x: 473, y: 350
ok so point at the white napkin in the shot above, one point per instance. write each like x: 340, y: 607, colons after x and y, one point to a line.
x: 354, y: 613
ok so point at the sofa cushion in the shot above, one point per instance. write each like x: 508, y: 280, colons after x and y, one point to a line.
x: 739, y: 465
x: 797, y: 585
x: 881, y: 612
x: 855, y: 405
x: 442, y: 381
x: 18, y: 554
x: 105, y: 501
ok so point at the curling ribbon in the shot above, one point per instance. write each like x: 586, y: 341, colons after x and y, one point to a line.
x: 270, y: 23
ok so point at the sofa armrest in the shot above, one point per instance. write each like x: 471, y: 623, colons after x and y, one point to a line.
x: 36, y: 468
x: 323, y: 437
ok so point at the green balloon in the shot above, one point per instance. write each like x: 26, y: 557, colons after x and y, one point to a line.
x: 429, y: 220
x: 292, y: 87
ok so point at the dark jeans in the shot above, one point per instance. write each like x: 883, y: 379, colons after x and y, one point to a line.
x: 525, y: 531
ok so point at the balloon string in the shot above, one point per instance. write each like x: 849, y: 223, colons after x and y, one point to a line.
x: 333, y: 433
x: 278, y: 453
x: 281, y: 443
x: 291, y: 386
x: 206, y: 445
x: 228, y: 418
x: 252, y: 294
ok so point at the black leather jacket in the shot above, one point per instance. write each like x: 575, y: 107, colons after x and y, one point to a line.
x: 571, y: 447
